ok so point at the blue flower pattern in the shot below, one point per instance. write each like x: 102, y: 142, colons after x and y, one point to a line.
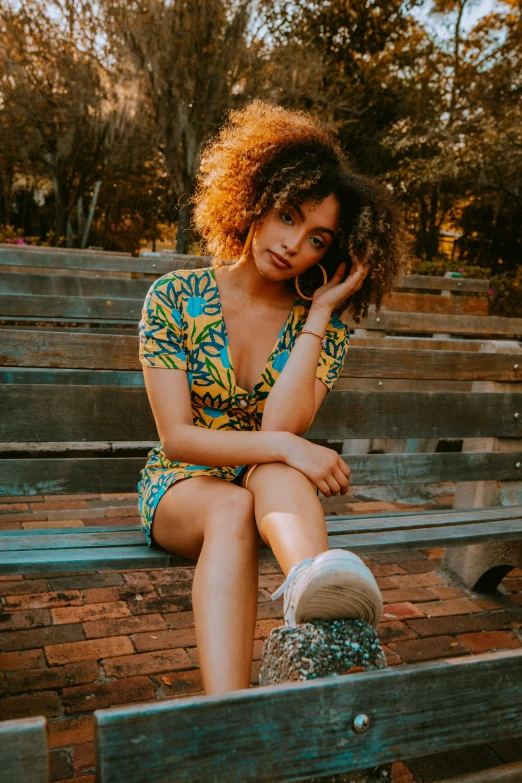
x: 182, y: 328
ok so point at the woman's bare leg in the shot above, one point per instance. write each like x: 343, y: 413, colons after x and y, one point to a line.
x: 288, y: 513
x: 211, y: 520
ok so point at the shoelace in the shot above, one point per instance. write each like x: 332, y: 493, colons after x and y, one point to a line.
x: 294, y: 571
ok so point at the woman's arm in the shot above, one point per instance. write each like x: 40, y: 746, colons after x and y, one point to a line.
x: 184, y: 442
x: 297, y: 394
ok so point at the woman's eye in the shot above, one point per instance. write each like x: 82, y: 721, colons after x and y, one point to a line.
x: 286, y: 215
x: 320, y: 242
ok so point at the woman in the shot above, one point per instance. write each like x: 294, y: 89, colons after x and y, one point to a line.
x: 237, y: 359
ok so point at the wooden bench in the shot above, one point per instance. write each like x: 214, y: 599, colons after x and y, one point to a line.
x: 23, y: 751
x: 412, y: 710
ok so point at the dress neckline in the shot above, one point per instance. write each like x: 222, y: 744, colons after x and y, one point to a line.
x: 227, y: 341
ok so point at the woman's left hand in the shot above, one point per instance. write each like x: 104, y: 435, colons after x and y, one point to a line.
x: 331, y: 295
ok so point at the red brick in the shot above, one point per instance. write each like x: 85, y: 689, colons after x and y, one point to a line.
x: 426, y: 579
x: 455, y: 606
x: 264, y: 627
x: 371, y: 506
x: 83, y: 758
x: 270, y: 567
x: 73, y: 731
x: 125, y: 626
x: 140, y: 581
x: 401, y: 611
x: 151, y: 602
x: 67, y: 497
x: 392, y: 659
x: 401, y: 774
x: 394, y: 631
x: 55, y: 505
x: 387, y: 569
x: 121, y: 511
x: 407, y: 594
x: 118, y: 495
x: 59, y: 765
x: 513, y: 585
x: 11, y: 578
x: 489, y: 640
x: 487, y: 603
x: 176, y: 590
x: 45, y: 703
x: 175, y: 684
x: 104, y: 595
x: 421, y: 566
x: 162, y: 640
x: 435, y: 553
x: 21, y: 620
x: 179, y: 619
x: 51, y: 524
x: 13, y: 507
x: 57, y: 677
x: 428, y: 649
x: 14, y: 661
x: 147, y: 663
x: 40, y: 637
x: 94, y: 649
x: 88, y: 698
x: 27, y: 516
x: 448, y: 593
x: 90, y: 612
x: 438, y: 626
x: 25, y: 586
x: 492, y: 621
x: 270, y: 609
x: 85, y: 581
x: 44, y: 600
x: 405, y: 556
x: 515, y: 572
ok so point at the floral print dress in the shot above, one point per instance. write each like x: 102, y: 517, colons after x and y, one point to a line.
x: 182, y: 327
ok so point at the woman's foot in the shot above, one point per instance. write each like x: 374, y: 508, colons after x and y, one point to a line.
x: 333, y: 585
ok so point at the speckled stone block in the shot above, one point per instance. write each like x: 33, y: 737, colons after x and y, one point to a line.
x: 324, y: 648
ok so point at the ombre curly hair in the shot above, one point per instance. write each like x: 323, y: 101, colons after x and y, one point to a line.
x: 267, y: 157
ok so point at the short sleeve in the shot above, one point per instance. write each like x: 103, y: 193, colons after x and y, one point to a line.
x: 332, y: 357
x: 161, y: 342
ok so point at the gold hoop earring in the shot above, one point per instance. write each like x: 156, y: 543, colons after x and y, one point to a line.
x: 249, y: 239
x: 325, y: 276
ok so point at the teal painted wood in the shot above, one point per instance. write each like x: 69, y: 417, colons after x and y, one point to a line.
x: 58, y: 551
x: 78, y: 475
x: 100, y: 413
x: 23, y: 751
x: 99, y: 558
x: 61, y: 307
x: 70, y: 531
x: 29, y: 375
x: 30, y: 284
x: 291, y: 732
x: 63, y: 541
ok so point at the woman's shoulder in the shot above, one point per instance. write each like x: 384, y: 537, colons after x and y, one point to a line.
x: 180, y: 284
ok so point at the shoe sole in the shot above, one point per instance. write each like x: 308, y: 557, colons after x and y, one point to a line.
x: 338, y: 588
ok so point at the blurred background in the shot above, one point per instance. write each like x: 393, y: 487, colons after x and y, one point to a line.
x: 104, y: 107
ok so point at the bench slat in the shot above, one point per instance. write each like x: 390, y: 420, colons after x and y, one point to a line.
x: 42, y: 413
x: 23, y: 751
x: 251, y: 735
x: 104, y: 551
x: 83, y: 475
x: 28, y: 348
x: 432, y: 322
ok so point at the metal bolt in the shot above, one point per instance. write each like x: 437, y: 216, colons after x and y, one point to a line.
x: 361, y: 723
x: 515, y: 366
x: 518, y: 464
x: 380, y: 383
x: 459, y: 283
x: 516, y: 415
x: 377, y: 319
x: 153, y: 264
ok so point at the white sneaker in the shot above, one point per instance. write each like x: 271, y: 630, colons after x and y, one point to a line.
x: 335, y: 584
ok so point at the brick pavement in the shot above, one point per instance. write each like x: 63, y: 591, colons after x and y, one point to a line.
x: 73, y: 643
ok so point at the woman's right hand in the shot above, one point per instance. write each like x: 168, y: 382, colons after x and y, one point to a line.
x: 321, y: 465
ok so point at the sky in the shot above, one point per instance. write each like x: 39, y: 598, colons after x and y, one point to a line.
x: 472, y: 13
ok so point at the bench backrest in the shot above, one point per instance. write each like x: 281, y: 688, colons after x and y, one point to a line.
x: 23, y: 751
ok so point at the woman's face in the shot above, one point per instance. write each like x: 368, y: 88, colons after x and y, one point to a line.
x: 299, y: 236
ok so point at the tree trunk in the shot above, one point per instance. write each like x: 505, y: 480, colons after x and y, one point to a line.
x: 183, y: 225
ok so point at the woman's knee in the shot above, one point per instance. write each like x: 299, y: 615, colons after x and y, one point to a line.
x: 234, y: 515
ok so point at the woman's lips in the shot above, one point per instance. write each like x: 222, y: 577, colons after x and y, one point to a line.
x: 278, y: 261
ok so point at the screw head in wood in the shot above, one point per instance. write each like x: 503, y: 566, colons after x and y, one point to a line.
x: 515, y: 366
x: 361, y: 723
x: 380, y: 383
x: 377, y: 319
x: 518, y: 464
x: 516, y: 415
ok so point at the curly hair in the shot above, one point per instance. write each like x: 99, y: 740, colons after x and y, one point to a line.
x: 266, y: 156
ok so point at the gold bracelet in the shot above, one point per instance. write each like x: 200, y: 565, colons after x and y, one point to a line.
x: 307, y: 331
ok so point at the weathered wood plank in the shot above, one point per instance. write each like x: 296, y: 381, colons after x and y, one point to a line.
x: 77, y: 286
x: 433, y: 322
x: 88, y: 413
x: 81, y: 475
x: 23, y: 751
x: 95, y: 558
x: 70, y: 350
x: 430, y: 303
x: 250, y: 735
x: 60, y: 308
